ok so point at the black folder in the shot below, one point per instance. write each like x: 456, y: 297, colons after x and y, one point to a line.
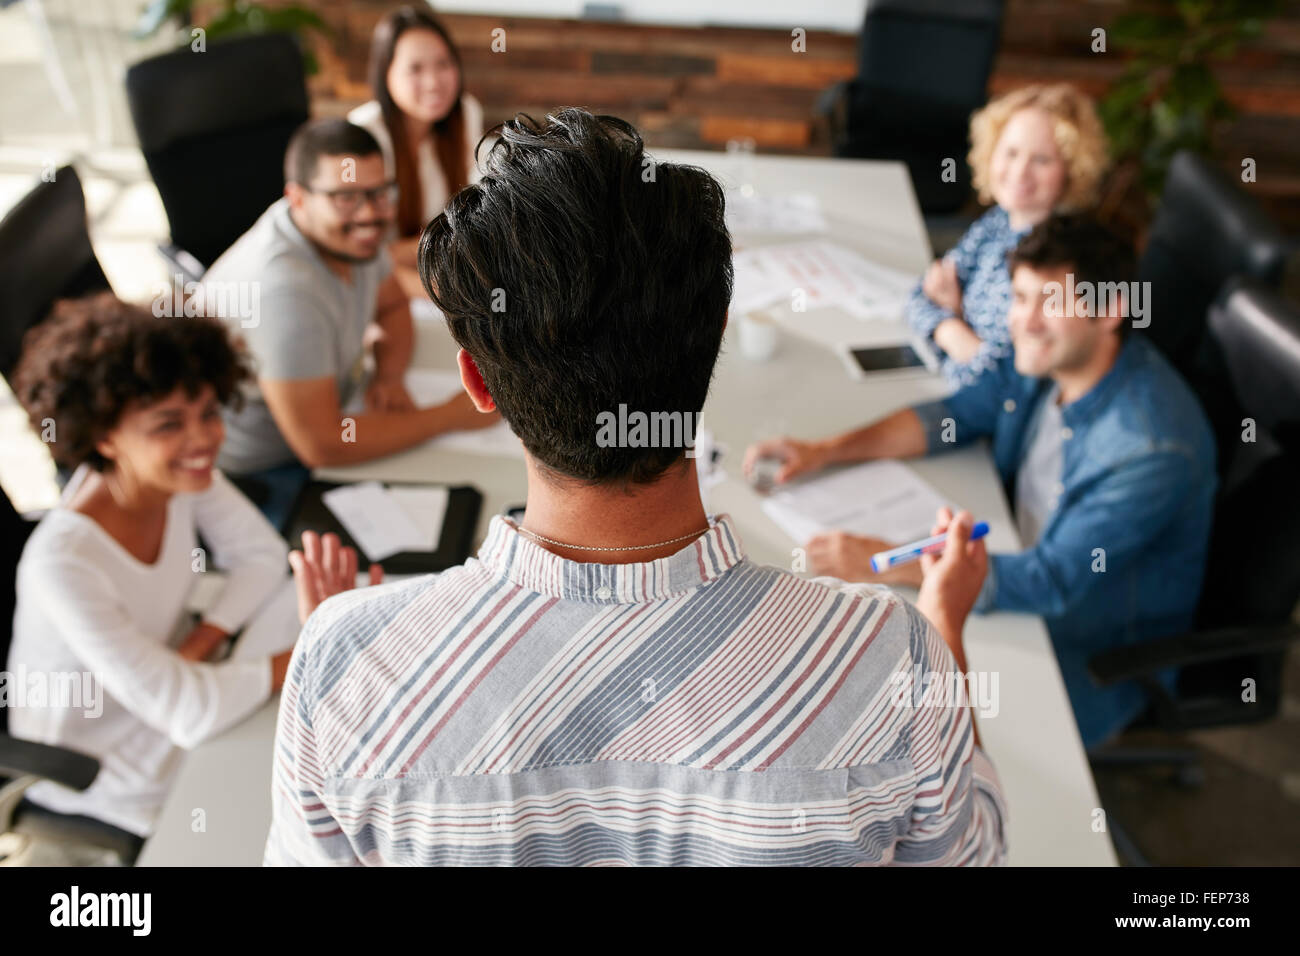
x: 310, y: 513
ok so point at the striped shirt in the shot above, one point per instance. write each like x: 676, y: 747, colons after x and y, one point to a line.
x: 698, y: 709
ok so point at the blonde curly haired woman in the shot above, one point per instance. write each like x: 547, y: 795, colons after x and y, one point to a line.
x: 1034, y: 151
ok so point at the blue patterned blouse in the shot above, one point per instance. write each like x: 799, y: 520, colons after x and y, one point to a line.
x: 981, y: 260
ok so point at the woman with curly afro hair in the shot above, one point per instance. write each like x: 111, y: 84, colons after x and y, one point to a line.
x: 131, y: 402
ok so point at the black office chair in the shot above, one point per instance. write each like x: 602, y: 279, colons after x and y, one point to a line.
x: 923, y: 68
x: 1206, y: 231
x: 213, y: 128
x: 45, y: 255
x: 24, y: 762
x: 1252, y: 581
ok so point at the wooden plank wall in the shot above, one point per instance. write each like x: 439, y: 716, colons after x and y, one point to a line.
x: 699, y: 87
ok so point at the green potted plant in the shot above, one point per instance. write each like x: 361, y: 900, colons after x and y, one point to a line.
x: 223, y: 18
x: 1168, y: 97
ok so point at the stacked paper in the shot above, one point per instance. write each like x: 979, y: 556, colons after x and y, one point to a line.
x: 815, y: 274
x: 387, y: 521
x: 881, y: 499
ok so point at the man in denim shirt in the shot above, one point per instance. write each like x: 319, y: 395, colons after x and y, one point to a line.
x: 1100, y: 445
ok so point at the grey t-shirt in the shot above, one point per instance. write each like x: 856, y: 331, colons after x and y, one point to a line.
x: 307, y: 323
x: 1038, y: 482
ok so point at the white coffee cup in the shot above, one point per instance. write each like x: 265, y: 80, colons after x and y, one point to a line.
x: 759, y: 336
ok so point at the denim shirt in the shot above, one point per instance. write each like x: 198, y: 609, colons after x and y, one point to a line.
x: 1135, y: 499
x: 980, y: 258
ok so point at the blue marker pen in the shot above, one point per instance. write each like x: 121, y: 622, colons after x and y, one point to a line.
x: 912, y: 552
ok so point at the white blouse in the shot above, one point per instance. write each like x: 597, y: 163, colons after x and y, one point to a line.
x: 433, y: 184
x: 92, y: 615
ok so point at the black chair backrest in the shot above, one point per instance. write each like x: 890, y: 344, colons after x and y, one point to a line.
x: 45, y: 255
x: 1206, y: 231
x: 14, y: 531
x: 938, y: 50
x: 1253, y: 572
x: 213, y: 127
x: 923, y: 68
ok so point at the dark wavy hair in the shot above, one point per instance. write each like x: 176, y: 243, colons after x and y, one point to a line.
x: 581, y: 276
x: 1079, y: 244
x: 93, y: 357
x: 324, y: 137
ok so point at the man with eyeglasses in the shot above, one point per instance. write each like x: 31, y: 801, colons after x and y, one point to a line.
x: 307, y: 287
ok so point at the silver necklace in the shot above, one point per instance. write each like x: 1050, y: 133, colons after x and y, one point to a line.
x: 631, y: 547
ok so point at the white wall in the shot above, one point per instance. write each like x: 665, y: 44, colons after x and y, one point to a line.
x: 841, y: 15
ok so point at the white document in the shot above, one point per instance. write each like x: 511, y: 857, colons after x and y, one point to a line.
x: 433, y: 386
x: 882, y: 292
x: 825, y: 273
x: 818, y: 269
x: 879, y: 499
x: 374, y: 519
x: 426, y: 507
x: 780, y: 212
x: 758, y: 281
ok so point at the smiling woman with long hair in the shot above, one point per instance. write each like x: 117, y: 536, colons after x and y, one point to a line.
x: 425, y: 122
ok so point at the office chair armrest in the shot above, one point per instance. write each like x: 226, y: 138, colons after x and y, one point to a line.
x: 1143, y: 659
x: 180, y: 262
x: 30, y: 763
x: 59, y: 764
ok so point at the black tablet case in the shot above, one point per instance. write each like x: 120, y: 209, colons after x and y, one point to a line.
x: 310, y: 513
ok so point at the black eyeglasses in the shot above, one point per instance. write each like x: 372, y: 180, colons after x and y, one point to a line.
x: 348, y: 201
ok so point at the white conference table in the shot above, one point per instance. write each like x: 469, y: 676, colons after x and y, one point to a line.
x: 803, y: 391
